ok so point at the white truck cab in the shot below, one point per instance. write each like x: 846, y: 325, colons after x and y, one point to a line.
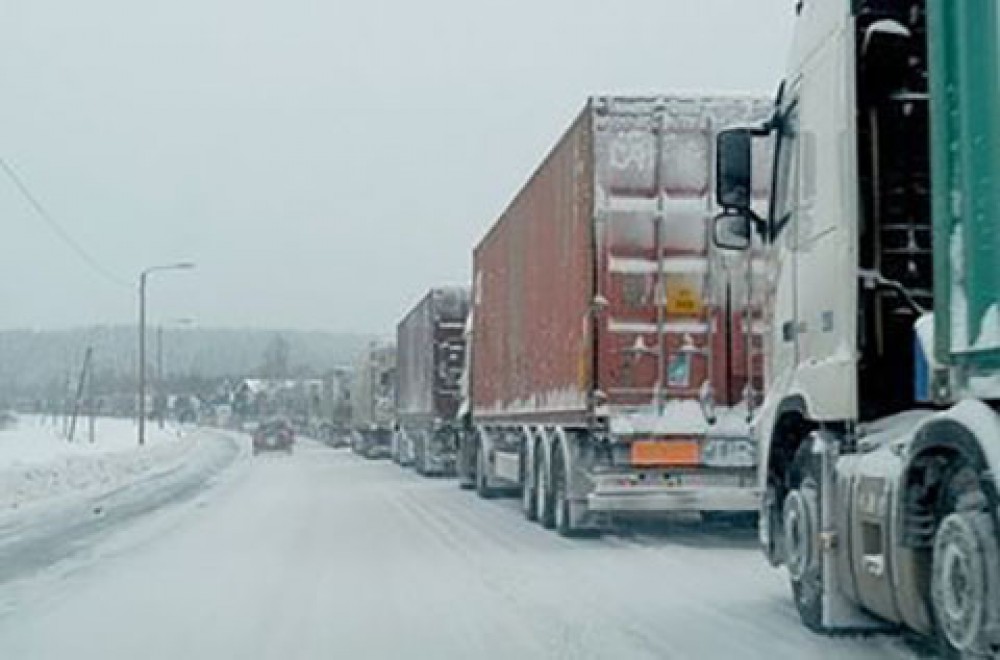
x: 879, y: 431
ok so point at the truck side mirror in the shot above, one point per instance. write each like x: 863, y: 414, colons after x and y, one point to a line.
x: 731, y: 231
x: 733, y: 172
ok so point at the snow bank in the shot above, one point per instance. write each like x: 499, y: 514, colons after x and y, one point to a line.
x: 37, y: 464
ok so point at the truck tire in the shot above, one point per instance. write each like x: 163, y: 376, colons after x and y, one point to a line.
x: 965, y: 573
x: 466, y: 481
x: 560, y: 495
x: 962, y: 587
x: 465, y: 464
x: 483, y: 489
x: 529, y: 497
x: 543, y: 491
x: 801, y: 529
x: 418, y: 455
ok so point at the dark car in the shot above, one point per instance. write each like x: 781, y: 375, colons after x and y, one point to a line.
x: 274, y: 435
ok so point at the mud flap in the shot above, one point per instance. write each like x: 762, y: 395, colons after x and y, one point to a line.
x: 582, y: 519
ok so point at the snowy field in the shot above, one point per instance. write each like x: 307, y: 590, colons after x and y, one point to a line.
x: 37, y: 463
x: 325, y: 555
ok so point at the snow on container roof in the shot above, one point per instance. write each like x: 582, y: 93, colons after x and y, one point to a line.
x: 679, y: 111
x: 632, y: 131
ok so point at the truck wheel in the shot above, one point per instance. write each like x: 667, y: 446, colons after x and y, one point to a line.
x: 965, y: 575
x: 483, y: 489
x: 801, y: 528
x: 543, y: 492
x: 465, y: 465
x: 963, y: 584
x: 466, y: 481
x: 560, y: 497
x: 529, y: 498
x: 418, y: 456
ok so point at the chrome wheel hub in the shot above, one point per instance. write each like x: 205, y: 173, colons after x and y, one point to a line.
x: 799, y: 528
x: 959, y: 583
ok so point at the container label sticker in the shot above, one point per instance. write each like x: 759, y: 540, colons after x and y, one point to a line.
x: 683, y: 295
x: 679, y: 371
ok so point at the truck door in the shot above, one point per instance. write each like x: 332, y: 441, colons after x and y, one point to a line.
x: 783, y: 350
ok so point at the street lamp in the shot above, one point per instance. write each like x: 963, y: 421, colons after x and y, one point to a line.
x: 142, y: 339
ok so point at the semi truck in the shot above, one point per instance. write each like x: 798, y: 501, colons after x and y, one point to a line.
x: 430, y: 358
x: 333, y: 426
x: 879, y: 430
x: 373, y: 400
x: 612, y: 357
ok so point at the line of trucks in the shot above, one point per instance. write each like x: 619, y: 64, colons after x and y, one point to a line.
x: 738, y: 306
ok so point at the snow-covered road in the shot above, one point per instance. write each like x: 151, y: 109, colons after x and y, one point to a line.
x: 325, y: 555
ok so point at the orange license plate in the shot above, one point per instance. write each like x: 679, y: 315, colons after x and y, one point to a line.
x: 650, y: 453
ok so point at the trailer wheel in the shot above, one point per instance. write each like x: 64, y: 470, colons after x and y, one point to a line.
x: 529, y: 497
x: 465, y: 462
x: 394, y: 449
x: 560, y: 495
x: 483, y: 489
x: 801, y: 530
x: 965, y: 572
x: 543, y: 491
x: 418, y: 455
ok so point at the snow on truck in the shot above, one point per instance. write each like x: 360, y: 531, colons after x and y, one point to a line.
x: 612, y: 356
x: 430, y: 357
x: 879, y: 431
x: 373, y: 401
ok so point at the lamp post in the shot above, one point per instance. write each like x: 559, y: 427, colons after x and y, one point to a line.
x: 142, y: 339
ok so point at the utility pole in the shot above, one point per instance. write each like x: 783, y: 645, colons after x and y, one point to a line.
x: 160, y: 390
x: 64, y: 401
x: 159, y: 356
x: 91, y: 426
x: 142, y: 357
x: 79, y: 392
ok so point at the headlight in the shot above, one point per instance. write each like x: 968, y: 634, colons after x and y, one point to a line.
x: 729, y: 452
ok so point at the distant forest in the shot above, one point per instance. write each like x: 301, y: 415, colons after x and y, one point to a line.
x: 42, y: 363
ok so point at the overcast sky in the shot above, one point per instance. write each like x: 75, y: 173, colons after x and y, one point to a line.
x: 322, y: 161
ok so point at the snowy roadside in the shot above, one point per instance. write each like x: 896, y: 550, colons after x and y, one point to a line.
x: 39, y: 466
x: 87, y: 496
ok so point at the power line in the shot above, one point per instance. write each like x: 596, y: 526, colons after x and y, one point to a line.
x: 57, y: 229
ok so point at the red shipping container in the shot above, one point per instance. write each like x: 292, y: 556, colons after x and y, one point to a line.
x: 596, y: 292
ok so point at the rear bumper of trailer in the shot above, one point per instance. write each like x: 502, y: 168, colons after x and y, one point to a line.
x: 610, y: 498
